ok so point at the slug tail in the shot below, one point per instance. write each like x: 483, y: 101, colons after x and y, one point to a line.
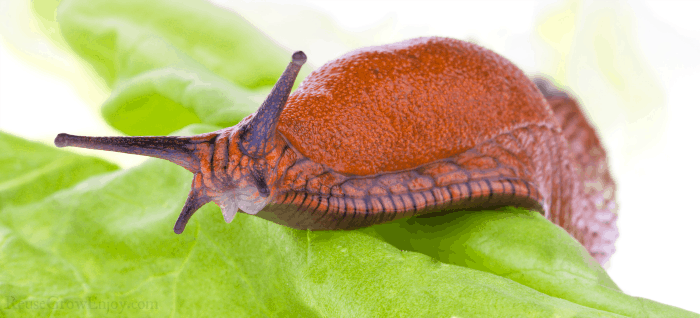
x: 593, y: 221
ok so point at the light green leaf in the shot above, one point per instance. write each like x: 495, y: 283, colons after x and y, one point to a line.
x: 171, y: 64
x: 106, y: 248
x: 110, y: 240
x: 30, y: 171
x: 524, y: 247
x: 122, y: 39
x: 161, y: 101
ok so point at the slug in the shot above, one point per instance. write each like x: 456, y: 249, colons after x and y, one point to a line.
x: 421, y: 126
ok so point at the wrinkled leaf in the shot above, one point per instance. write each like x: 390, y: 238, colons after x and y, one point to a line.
x: 164, y: 100
x: 522, y: 246
x: 106, y: 247
x: 122, y: 39
x: 171, y: 64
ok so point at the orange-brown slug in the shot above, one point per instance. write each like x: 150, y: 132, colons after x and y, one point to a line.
x: 393, y: 131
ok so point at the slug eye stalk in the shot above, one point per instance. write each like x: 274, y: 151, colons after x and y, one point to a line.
x: 250, y: 192
x: 178, y: 150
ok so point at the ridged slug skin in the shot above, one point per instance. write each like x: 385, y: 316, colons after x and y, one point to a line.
x: 433, y: 124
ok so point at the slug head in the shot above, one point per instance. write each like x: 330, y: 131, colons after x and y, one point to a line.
x: 233, y: 167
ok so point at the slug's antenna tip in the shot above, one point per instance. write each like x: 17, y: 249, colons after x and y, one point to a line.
x: 175, y: 149
x: 61, y: 140
x: 262, y: 128
x: 194, y: 201
x: 299, y: 58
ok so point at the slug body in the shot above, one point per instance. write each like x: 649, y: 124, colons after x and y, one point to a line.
x: 393, y: 131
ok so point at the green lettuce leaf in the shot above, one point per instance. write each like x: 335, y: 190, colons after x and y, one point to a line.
x: 170, y: 64
x: 522, y: 246
x: 122, y: 39
x: 105, y: 246
x: 161, y: 101
x: 30, y: 171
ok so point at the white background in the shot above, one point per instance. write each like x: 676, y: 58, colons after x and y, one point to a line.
x: 634, y: 66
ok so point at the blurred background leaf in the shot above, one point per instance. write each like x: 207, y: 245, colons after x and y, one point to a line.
x: 159, y: 57
x: 598, y: 40
x: 125, y: 38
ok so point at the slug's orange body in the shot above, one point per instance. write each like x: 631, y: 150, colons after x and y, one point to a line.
x: 424, y: 125
x: 396, y: 107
